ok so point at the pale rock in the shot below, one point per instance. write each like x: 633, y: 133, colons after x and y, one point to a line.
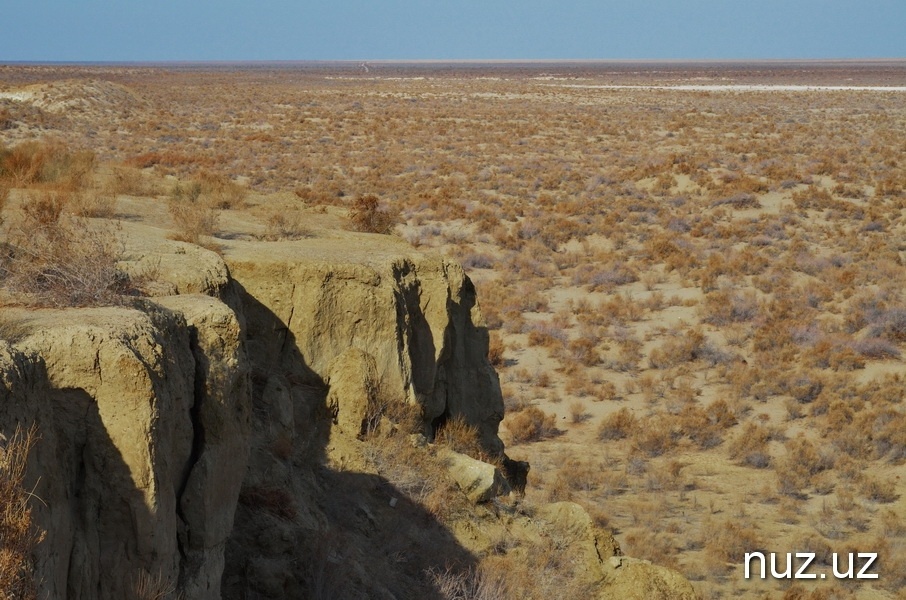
x: 221, y: 414
x: 143, y: 422
x: 478, y: 480
x: 415, y: 314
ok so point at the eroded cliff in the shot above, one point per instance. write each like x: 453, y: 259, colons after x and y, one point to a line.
x: 210, y: 440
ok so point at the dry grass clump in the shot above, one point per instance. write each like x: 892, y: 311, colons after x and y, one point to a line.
x: 220, y: 191
x: 725, y: 307
x: 617, y: 425
x: 33, y: 163
x: 685, y: 346
x: 412, y: 467
x: 659, y: 548
x: 578, y: 412
x: 659, y: 435
x: 18, y: 535
x: 92, y: 204
x: 796, y: 471
x: 285, y: 225
x: 496, y: 349
x: 129, y: 181
x: 727, y: 542
x: 534, y: 571
x: 56, y: 260
x: 194, y: 216
x: 369, y: 216
x: 531, y: 425
x: 460, y: 436
x: 750, y: 447
x: 4, y: 196
x: 473, y: 584
x: 153, y: 587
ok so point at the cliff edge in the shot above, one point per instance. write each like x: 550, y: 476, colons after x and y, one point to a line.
x: 213, y: 441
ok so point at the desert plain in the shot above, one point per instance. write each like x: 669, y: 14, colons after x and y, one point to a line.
x: 692, y: 274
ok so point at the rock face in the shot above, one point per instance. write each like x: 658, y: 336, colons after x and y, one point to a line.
x: 220, y: 441
x: 354, y: 388
x: 143, y: 432
x: 415, y: 316
x: 190, y: 442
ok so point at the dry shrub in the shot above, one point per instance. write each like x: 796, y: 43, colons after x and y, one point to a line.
x: 886, y: 430
x: 32, y: 163
x: 552, y: 567
x: 496, y: 348
x: 577, y: 412
x: 682, y: 348
x: 460, y: 436
x: 800, y: 592
x: 739, y: 200
x: 892, y: 524
x: 414, y: 471
x: 876, y: 348
x: 44, y: 210
x: 724, y: 307
x: 890, y: 324
x: 220, y: 191
x: 152, y: 587
x: 617, y: 425
x: 18, y: 536
x: 473, y: 584
x: 128, y: 181
x: 530, y: 425
x: 92, y: 204
x: 729, y: 541
x: 388, y: 414
x: 56, y: 260
x: 705, y: 426
x: 814, y: 197
x: 654, y: 546
x: 750, y: 447
x: 877, y: 490
x: 657, y: 436
x: 577, y: 475
x: 285, y: 225
x: 547, y: 334
x: 796, y: 471
x: 369, y: 216
x: 584, y: 351
x: 193, y: 216
x: 605, y: 277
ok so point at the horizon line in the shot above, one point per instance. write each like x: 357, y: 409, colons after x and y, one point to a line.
x: 464, y: 61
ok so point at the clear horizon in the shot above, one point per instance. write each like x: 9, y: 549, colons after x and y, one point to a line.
x: 406, y: 30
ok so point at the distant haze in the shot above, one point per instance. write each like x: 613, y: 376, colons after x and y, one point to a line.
x: 230, y: 30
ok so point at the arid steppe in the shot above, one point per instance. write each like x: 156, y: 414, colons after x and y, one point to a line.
x: 692, y: 274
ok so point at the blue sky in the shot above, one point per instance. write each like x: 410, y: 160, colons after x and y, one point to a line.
x: 163, y: 30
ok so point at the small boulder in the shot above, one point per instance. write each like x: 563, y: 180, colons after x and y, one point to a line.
x: 479, y: 480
